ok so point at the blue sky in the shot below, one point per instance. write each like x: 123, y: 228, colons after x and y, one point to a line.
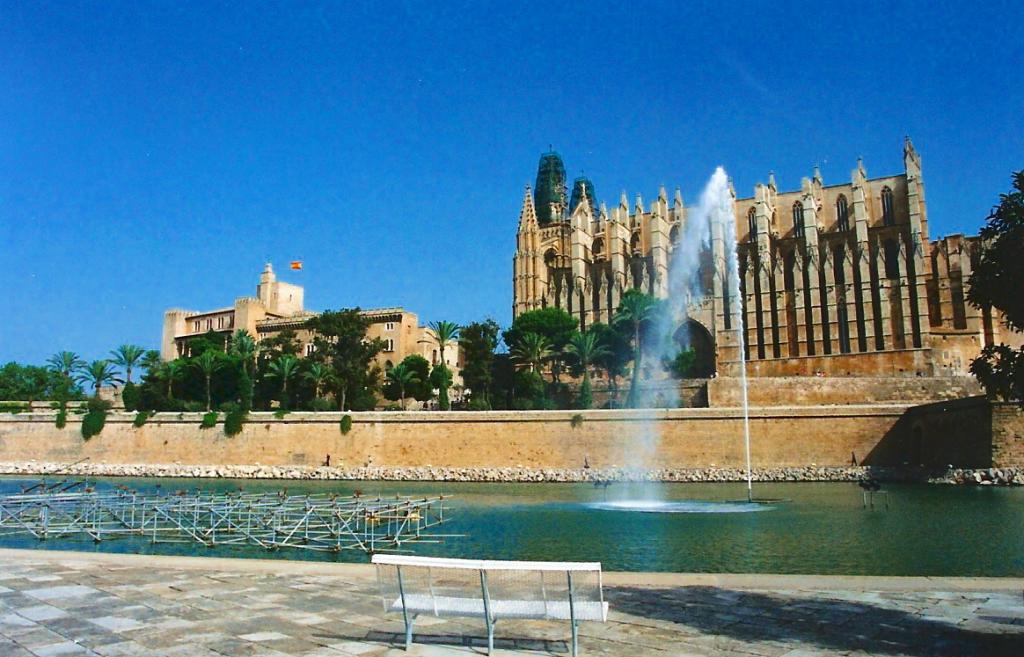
x: 154, y: 155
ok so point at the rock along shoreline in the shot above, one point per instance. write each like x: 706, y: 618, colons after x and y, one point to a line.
x: 960, y: 476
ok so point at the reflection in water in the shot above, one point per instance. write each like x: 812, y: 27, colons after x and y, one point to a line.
x: 652, y: 506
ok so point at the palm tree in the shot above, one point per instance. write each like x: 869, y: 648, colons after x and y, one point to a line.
x: 442, y: 333
x: 128, y: 356
x: 318, y: 374
x: 151, y: 361
x: 584, y: 349
x: 98, y: 374
x: 65, y: 363
x: 402, y: 377
x: 245, y: 348
x: 284, y: 368
x: 635, y: 309
x: 532, y: 349
x: 209, y: 364
x: 170, y: 372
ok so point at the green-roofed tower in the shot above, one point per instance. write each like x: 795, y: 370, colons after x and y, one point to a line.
x: 549, y: 192
x: 578, y: 186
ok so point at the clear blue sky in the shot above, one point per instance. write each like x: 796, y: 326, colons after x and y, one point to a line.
x: 155, y: 154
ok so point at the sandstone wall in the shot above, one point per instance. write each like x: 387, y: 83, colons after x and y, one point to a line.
x: 1007, y: 436
x: 810, y: 391
x: 679, y: 438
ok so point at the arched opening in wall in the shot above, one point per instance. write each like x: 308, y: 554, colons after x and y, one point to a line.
x: 898, y: 332
x: 698, y: 349
x: 858, y: 302
x: 597, y: 249
x: 888, y: 208
x: 673, y: 236
x: 634, y: 244
x: 550, y: 257
x: 742, y: 303
x: 842, y: 307
x: 842, y: 214
x: 752, y: 225
x: 596, y: 278
x: 759, y: 308
x: 915, y: 315
x: 956, y: 291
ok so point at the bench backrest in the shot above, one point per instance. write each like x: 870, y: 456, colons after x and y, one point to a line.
x: 444, y: 580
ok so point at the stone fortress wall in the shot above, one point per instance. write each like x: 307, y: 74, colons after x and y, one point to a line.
x: 968, y: 433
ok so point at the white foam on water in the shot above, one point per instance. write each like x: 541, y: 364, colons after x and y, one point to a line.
x: 688, y: 506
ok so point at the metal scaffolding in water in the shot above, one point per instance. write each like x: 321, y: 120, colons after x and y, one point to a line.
x: 328, y: 523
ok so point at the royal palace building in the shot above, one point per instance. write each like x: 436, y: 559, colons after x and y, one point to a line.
x: 833, y: 279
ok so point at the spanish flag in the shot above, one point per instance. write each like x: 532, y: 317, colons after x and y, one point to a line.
x: 296, y: 264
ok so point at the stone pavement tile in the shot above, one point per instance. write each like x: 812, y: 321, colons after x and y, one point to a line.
x: 61, y: 649
x: 117, y: 623
x: 263, y: 636
x: 355, y: 647
x: 42, y: 612
x: 61, y: 592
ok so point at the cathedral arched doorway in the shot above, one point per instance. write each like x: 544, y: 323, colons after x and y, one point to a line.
x: 694, y: 337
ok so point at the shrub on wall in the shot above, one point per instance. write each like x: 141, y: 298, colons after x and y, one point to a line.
x: 346, y: 424
x: 140, y: 419
x: 62, y: 417
x: 280, y: 413
x: 576, y: 421
x: 14, y: 407
x: 130, y: 397
x: 95, y: 417
x: 321, y: 405
x: 209, y: 420
x: 234, y: 421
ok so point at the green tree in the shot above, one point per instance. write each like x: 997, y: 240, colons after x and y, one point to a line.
x: 340, y: 342
x: 554, y: 324
x: 151, y: 360
x: 244, y: 347
x: 995, y: 283
x: 584, y: 349
x: 97, y: 374
x: 319, y: 375
x: 401, y: 377
x: 441, y: 378
x: 619, y: 353
x: 636, y: 310
x: 421, y: 389
x: 65, y: 363
x: 208, y: 364
x: 442, y: 333
x: 477, y: 342
x: 284, y: 369
x: 531, y: 350
x: 31, y: 383
x: 128, y: 357
x: 170, y: 372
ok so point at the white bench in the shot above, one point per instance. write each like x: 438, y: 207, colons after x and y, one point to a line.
x: 492, y: 590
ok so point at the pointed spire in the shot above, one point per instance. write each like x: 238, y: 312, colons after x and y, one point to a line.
x: 623, y: 203
x: 662, y: 194
x: 771, y: 180
x: 603, y: 212
x: 911, y: 160
x: 817, y: 175
x: 677, y: 203
x: 639, y: 207
x: 528, y: 214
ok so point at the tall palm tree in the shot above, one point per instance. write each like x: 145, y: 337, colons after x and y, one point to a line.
x: 635, y: 310
x: 283, y: 368
x: 319, y: 374
x: 98, y: 374
x: 584, y: 349
x: 402, y: 377
x: 532, y: 350
x: 65, y: 363
x: 128, y: 356
x: 170, y: 372
x: 209, y: 364
x: 442, y: 333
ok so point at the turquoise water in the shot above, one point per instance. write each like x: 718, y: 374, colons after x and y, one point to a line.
x: 817, y: 528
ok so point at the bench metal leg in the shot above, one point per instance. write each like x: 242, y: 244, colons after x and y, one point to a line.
x: 490, y: 636
x: 575, y: 637
x: 408, y: 631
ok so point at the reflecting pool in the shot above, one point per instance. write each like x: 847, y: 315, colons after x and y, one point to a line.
x: 807, y: 528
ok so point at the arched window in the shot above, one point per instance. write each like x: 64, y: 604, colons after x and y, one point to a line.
x: 888, y: 212
x: 673, y: 234
x: 798, y: 219
x: 597, y: 248
x: 752, y: 225
x: 634, y: 243
x: 842, y: 214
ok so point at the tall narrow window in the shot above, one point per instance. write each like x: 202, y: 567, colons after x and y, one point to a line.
x: 842, y: 214
x: 798, y: 219
x: 752, y: 225
x: 888, y: 212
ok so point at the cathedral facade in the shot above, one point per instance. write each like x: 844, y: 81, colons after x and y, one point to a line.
x: 833, y: 279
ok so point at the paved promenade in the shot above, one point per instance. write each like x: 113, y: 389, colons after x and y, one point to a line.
x: 62, y: 603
